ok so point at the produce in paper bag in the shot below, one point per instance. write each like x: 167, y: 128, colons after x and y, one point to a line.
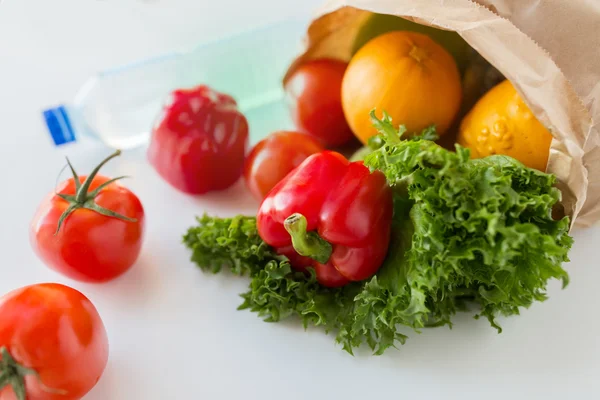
x: 555, y: 71
x: 474, y: 220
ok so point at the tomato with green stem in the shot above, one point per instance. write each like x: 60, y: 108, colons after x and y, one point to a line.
x: 53, y: 344
x: 90, y: 229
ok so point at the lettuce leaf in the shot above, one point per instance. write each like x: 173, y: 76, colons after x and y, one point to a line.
x: 467, y: 234
x: 276, y: 291
x: 483, y: 229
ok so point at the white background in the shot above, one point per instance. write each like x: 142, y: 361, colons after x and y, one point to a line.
x: 174, y: 332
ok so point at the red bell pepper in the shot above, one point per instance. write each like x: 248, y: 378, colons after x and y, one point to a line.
x: 199, y: 142
x: 331, y: 214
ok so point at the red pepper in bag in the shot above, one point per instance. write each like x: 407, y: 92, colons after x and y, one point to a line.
x: 331, y: 214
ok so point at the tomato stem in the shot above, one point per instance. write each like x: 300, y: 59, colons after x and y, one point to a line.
x: 83, y: 198
x: 308, y: 244
x: 13, y: 374
x: 82, y: 192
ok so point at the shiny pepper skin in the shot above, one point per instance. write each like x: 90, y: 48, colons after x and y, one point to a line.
x: 331, y: 214
x: 199, y: 142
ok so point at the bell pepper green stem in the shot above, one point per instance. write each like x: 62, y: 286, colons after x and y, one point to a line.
x: 308, y: 244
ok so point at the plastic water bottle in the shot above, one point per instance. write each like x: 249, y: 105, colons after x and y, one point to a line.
x: 118, y: 107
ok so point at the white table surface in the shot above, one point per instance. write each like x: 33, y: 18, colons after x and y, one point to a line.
x: 175, y: 332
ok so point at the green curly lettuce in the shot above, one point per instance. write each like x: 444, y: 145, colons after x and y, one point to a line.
x: 483, y: 231
x: 276, y: 291
x: 467, y: 234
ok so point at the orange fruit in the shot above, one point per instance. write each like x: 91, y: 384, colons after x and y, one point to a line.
x: 501, y: 123
x: 378, y: 24
x: 408, y: 75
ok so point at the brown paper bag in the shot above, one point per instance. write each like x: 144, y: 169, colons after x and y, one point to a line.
x: 549, y: 50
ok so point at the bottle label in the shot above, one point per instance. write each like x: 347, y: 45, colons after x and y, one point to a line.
x: 59, y: 125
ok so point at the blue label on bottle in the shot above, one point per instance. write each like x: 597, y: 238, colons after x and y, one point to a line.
x: 59, y: 125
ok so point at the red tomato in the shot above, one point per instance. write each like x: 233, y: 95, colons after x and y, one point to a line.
x: 274, y: 157
x: 101, y: 236
x: 200, y: 141
x: 315, y: 90
x: 53, y: 344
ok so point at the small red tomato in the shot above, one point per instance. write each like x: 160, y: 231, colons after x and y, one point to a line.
x: 53, y: 344
x: 274, y: 157
x: 90, y: 229
x: 199, y: 143
x: 315, y: 91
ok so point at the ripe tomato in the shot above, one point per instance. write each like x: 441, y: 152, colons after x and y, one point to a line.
x: 91, y: 229
x: 315, y: 91
x: 274, y: 157
x: 199, y: 142
x: 53, y: 344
